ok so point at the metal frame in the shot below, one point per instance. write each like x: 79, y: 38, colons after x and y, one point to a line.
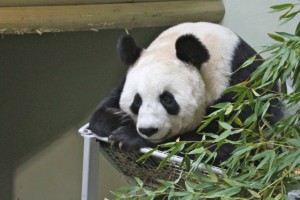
x: 90, y: 168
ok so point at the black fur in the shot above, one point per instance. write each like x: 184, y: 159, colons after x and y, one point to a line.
x: 105, y: 119
x: 169, y: 103
x: 136, y: 104
x: 128, y: 51
x: 190, y: 50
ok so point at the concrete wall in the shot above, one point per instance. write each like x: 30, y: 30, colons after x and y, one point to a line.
x: 50, y: 84
x: 252, y: 20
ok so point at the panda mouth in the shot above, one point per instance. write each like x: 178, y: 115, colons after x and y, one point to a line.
x: 159, y: 140
x: 156, y: 140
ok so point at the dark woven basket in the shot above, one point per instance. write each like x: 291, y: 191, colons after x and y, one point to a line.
x: 146, y: 170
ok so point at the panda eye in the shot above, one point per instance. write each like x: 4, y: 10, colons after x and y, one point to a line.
x: 166, y: 98
x: 137, y: 101
x: 169, y: 103
x: 136, y: 104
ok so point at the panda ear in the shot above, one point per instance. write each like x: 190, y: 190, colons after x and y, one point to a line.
x: 190, y: 50
x: 127, y: 49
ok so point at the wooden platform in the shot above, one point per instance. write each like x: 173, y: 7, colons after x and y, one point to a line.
x: 20, y: 16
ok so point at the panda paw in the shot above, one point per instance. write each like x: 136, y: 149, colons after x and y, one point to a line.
x: 119, y: 127
x: 106, y: 120
x: 123, y: 117
x: 126, y: 138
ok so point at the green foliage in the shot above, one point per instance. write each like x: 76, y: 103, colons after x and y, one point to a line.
x: 266, y: 161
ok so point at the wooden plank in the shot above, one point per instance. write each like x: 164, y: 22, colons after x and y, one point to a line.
x: 11, y: 3
x: 107, y: 16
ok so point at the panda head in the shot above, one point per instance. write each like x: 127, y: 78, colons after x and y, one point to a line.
x: 164, y: 92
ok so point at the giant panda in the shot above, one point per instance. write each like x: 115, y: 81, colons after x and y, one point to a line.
x: 171, y: 85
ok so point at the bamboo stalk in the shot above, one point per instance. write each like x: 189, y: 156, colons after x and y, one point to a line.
x: 107, y: 16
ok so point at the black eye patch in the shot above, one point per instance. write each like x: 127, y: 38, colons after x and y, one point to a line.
x: 136, y: 104
x: 169, y: 103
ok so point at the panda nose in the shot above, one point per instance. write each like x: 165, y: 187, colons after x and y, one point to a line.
x: 148, y: 131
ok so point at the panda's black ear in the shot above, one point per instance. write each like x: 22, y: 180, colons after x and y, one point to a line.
x: 127, y: 49
x: 190, y: 50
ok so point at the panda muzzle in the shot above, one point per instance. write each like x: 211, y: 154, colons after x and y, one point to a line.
x: 148, y: 131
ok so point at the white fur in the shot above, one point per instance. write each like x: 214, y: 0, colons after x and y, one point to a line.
x: 158, y: 69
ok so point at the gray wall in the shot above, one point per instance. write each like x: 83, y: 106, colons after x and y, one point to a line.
x: 50, y: 84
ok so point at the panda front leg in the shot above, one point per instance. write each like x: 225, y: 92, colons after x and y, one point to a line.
x: 108, y: 115
x: 118, y: 127
x: 126, y: 136
x: 110, y: 121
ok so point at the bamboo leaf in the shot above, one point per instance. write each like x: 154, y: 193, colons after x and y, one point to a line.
x: 168, y: 184
x: 293, y: 141
x: 248, y: 62
x: 288, y: 159
x: 239, y: 151
x: 228, y: 192
x: 297, y: 32
x: 283, y: 59
x: 252, y: 118
x: 225, y: 125
x: 282, y: 6
x: 176, y: 149
x: 146, y: 155
x: 238, y: 121
x: 278, y: 197
x: 188, y: 187
x: 288, y: 36
x: 287, y: 72
x: 267, y: 75
x: 139, y: 181
x: 272, y: 158
x: 264, y: 109
x: 229, y: 110
x: 221, y: 105
x: 254, y: 194
x: 291, y: 15
x: 260, y: 155
x: 187, y: 162
x: 118, y: 194
x: 224, y: 135
x: 295, y: 163
x: 232, y: 182
x: 212, y: 175
x: 255, y: 93
x: 197, y: 162
x: 236, y: 88
x: 206, y: 179
x: 276, y: 37
x: 197, y: 151
x: 203, y: 125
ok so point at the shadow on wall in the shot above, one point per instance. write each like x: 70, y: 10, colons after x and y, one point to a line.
x: 50, y: 83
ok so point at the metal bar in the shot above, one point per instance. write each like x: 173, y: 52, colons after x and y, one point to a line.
x: 178, y: 159
x: 90, y: 169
